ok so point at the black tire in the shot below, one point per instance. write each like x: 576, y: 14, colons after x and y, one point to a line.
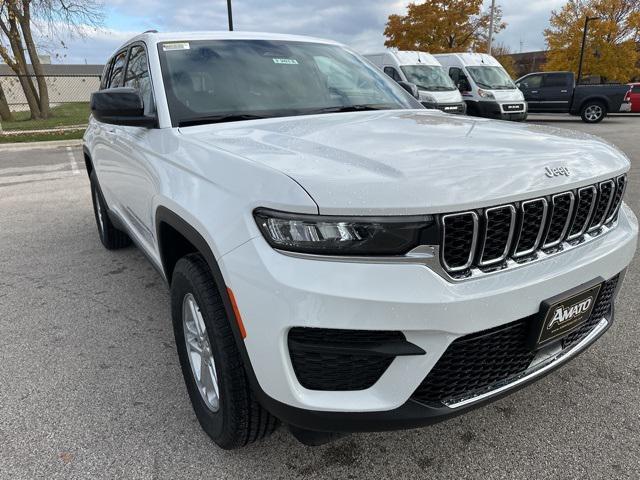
x: 593, y: 111
x: 239, y: 419
x: 110, y: 236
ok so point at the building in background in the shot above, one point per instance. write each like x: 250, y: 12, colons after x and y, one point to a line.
x: 67, y: 84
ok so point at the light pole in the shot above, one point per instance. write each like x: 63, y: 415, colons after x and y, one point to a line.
x: 493, y: 6
x: 230, y: 15
x: 584, y: 40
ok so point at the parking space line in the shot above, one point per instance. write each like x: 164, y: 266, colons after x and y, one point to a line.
x: 5, y: 181
x: 72, y: 159
x: 5, y: 172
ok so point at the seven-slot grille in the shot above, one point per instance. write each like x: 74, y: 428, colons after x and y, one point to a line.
x: 487, y: 238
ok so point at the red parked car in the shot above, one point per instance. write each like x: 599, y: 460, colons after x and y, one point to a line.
x: 634, y: 96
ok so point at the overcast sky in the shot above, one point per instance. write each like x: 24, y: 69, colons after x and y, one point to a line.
x: 358, y: 23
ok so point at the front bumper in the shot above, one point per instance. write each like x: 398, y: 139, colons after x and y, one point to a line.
x: 500, y: 110
x: 459, y: 108
x: 276, y: 293
x: 625, y: 107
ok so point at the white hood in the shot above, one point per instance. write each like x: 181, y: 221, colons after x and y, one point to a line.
x: 414, y: 161
x: 452, y: 96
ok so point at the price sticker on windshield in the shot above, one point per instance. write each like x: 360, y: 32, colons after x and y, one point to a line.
x: 167, y: 47
x: 285, y: 61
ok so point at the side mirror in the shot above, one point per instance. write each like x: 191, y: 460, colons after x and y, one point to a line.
x: 412, y: 88
x: 121, y: 106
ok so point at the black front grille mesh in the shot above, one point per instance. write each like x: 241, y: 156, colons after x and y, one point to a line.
x: 480, y: 360
x: 561, y: 211
x: 532, y: 221
x: 583, y: 211
x: 498, y: 230
x: 602, y: 206
x: 477, y: 239
x: 459, y: 234
x: 317, y: 370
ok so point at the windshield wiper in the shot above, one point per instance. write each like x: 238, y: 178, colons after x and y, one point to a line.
x: 230, y: 117
x: 349, y: 108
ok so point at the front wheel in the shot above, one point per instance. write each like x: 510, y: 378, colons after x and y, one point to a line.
x: 212, y: 367
x: 593, y: 112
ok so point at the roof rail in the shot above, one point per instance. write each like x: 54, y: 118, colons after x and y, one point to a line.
x: 150, y: 31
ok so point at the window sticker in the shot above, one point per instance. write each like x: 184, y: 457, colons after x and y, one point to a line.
x: 285, y: 61
x: 167, y: 47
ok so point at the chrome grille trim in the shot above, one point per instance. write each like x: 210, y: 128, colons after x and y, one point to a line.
x: 512, y: 226
x: 604, y: 214
x: 621, y: 188
x: 474, y: 241
x: 567, y: 222
x: 529, y: 251
x: 587, y: 221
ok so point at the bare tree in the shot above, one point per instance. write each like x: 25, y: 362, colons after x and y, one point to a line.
x: 55, y: 18
x: 5, y: 112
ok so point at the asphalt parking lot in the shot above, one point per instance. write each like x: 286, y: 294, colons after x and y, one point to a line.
x: 90, y: 385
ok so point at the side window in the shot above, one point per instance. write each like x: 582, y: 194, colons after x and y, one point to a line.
x: 137, y: 75
x: 454, y: 74
x: 557, y: 80
x: 460, y: 79
x: 393, y: 73
x: 532, y: 82
x: 635, y: 89
x: 115, y: 77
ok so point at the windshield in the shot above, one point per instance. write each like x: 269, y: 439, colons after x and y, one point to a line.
x: 226, y: 80
x: 493, y: 78
x: 428, y: 77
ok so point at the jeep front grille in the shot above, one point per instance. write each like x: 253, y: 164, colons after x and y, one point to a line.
x: 487, y: 238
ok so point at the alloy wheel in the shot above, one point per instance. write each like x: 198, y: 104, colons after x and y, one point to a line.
x: 593, y: 113
x: 200, y: 353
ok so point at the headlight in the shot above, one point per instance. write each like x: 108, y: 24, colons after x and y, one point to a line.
x: 485, y: 94
x: 329, y: 235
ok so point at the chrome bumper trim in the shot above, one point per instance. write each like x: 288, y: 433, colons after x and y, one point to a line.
x: 533, y: 372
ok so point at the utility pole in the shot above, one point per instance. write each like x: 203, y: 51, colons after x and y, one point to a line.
x: 584, y: 40
x: 230, y: 15
x: 493, y: 6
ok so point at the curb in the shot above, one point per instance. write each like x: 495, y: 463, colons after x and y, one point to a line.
x: 39, y: 145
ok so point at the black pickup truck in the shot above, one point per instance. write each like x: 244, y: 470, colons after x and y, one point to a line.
x: 557, y: 92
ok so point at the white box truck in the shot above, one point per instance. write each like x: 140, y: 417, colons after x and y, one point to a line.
x: 485, y: 85
x: 435, y: 88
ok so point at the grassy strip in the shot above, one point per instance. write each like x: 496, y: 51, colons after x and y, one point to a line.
x: 61, y: 116
x: 41, y: 137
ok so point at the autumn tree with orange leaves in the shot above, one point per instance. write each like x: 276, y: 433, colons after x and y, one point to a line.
x: 438, y: 26
x: 612, y: 41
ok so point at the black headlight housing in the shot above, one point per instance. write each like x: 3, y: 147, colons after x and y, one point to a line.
x: 345, y: 235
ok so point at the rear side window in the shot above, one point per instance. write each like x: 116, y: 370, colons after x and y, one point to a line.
x: 137, y: 75
x: 393, y: 73
x: 115, y: 78
x: 635, y: 89
x: 555, y: 80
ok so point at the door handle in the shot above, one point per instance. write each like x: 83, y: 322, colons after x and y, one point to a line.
x: 534, y: 91
x: 563, y: 91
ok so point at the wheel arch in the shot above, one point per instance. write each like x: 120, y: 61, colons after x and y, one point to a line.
x: 88, y: 162
x: 595, y: 98
x: 169, y: 222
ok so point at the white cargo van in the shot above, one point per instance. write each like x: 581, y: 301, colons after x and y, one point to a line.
x: 435, y: 88
x: 485, y: 85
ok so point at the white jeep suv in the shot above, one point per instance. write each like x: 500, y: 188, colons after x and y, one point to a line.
x: 340, y: 258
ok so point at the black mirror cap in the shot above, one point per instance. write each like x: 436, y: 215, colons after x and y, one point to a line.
x: 412, y: 88
x: 121, y: 106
